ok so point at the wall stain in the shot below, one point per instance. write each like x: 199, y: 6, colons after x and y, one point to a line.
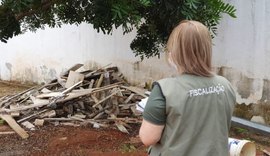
x: 250, y: 90
x: 266, y: 90
x: 9, y: 67
x: 244, y: 86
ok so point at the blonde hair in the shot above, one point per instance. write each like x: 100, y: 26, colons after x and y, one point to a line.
x: 190, y: 48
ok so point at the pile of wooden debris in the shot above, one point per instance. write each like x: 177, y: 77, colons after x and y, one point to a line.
x: 101, y: 98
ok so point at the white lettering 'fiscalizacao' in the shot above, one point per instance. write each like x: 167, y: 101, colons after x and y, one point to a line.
x: 207, y: 90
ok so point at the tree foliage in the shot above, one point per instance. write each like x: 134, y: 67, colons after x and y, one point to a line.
x: 153, y: 19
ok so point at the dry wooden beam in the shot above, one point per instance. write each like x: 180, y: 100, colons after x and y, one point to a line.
x: 73, y: 68
x: 91, y: 83
x: 266, y: 152
x: 13, y: 124
x: 15, y: 96
x: 47, y: 85
x: 100, y: 80
x: 71, y: 87
x: 105, y: 99
x: 121, y: 127
x: 7, y: 133
x: 14, y: 114
x: 135, y: 90
x: 58, y: 119
x: 89, y: 74
x: 28, y: 125
x: 33, y: 115
x: 73, y: 78
x: 39, y: 122
x: 129, y: 98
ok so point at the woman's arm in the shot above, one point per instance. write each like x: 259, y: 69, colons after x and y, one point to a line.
x: 150, y: 133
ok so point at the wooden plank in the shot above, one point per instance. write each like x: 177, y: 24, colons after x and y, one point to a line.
x: 100, y: 80
x: 45, y: 90
x: 49, y: 95
x: 76, y: 94
x: 37, y: 101
x: 39, y: 122
x: 28, y: 125
x: 14, y: 114
x: 266, y: 152
x: 129, y: 98
x: 73, y: 68
x: 49, y: 113
x: 122, y: 128
x: 89, y: 74
x: 7, y: 133
x: 71, y: 87
x: 135, y: 90
x: 105, y: 99
x: 13, y: 124
x: 91, y: 83
x: 73, y: 78
x: 15, y: 96
x: 32, y: 115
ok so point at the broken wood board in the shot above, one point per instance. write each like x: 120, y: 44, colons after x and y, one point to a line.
x: 73, y: 68
x: 13, y: 124
x: 267, y: 153
x: 45, y: 90
x: 105, y: 99
x: 28, y: 125
x: 135, y: 90
x: 32, y: 115
x: 49, y: 95
x: 14, y: 114
x: 7, y: 133
x: 39, y: 122
x: 122, y: 128
x: 37, y: 101
x: 73, y: 78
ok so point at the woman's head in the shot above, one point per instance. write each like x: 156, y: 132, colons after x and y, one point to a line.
x: 190, y: 48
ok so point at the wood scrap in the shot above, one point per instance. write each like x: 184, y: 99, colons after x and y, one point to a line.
x: 28, y: 125
x: 32, y: 115
x: 121, y: 127
x: 13, y: 124
x: 39, y: 122
x: 265, y: 152
x: 73, y: 78
x: 73, y: 68
x: 14, y: 114
x: 135, y: 90
x: 7, y: 133
x: 98, y: 97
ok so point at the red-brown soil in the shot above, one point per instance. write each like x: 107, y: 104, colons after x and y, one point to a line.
x: 80, y: 141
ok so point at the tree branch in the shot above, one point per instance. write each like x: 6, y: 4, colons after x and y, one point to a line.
x: 45, y: 6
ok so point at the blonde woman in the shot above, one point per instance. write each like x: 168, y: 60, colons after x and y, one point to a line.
x: 190, y: 114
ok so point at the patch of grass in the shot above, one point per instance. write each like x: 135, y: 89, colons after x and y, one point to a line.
x: 127, y: 148
x: 2, y: 122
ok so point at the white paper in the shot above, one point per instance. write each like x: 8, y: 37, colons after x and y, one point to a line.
x: 141, y: 105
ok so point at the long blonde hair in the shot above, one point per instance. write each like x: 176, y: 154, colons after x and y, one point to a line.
x: 190, y: 48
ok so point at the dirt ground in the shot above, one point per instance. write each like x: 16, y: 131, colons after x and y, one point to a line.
x: 87, y: 141
x: 71, y: 141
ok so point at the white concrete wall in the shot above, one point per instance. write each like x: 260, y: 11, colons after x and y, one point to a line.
x: 242, y: 47
x: 241, y: 52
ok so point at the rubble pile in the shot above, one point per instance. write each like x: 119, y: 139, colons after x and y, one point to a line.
x: 101, y: 98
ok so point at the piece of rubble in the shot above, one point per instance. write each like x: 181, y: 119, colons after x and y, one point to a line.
x: 258, y: 119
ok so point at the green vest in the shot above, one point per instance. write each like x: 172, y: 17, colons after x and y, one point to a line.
x: 199, y: 111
